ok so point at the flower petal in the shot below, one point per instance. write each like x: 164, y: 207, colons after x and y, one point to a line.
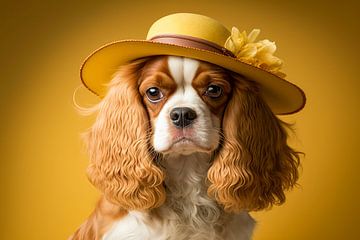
x: 235, y: 32
x: 266, y: 46
x: 248, y: 51
x: 229, y: 45
x: 253, y: 35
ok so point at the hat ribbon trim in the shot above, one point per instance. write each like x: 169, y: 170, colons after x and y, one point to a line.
x: 194, y: 42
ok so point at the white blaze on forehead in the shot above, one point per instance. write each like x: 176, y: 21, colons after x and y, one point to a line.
x: 190, y: 68
x: 182, y: 70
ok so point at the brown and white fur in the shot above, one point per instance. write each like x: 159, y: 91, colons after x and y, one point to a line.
x: 161, y: 179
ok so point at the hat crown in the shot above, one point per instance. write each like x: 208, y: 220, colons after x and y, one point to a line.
x: 192, y: 25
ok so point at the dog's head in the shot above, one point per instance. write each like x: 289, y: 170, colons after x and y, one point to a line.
x: 174, y: 105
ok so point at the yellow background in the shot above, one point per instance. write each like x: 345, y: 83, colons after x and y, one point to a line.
x: 44, y: 191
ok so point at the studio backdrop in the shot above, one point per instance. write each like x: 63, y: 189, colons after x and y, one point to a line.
x: 45, y: 193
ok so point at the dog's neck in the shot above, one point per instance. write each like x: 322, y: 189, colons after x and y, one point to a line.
x: 187, y: 202
x: 185, y: 172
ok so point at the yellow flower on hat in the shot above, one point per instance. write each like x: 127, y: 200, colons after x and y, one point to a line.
x: 259, y: 54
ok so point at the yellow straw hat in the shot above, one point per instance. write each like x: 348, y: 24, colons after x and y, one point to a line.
x: 203, y: 38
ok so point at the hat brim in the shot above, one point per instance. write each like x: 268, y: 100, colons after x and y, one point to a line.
x: 283, y: 97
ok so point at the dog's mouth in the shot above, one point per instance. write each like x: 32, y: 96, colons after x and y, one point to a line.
x: 186, y: 145
x: 183, y: 140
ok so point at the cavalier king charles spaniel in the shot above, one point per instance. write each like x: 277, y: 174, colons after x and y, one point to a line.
x: 184, y: 149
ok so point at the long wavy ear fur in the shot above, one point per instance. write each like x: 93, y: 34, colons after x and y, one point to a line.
x: 121, y: 164
x: 254, y: 165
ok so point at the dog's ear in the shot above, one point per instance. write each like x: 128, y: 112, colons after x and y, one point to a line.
x: 121, y: 163
x: 254, y: 165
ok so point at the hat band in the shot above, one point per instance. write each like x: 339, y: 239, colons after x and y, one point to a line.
x: 188, y: 41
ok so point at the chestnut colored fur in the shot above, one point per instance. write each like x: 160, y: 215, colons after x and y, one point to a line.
x: 255, y: 165
x: 251, y: 169
x: 122, y: 165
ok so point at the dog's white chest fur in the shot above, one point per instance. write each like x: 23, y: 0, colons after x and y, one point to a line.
x: 188, y: 212
x: 135, y: 226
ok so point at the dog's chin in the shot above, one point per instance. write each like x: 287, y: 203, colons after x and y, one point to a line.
x: 186, y: 146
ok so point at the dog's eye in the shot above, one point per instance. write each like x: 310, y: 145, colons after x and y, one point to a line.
x: 213, y: 91
x: 154, y: 94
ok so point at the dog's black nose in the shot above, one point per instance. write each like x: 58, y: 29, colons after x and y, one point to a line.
x: 182, y: 116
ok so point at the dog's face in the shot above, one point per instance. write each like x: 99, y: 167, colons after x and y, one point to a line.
x: 185, y: 99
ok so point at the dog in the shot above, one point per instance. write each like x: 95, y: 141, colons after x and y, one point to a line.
x: 184, y: 149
